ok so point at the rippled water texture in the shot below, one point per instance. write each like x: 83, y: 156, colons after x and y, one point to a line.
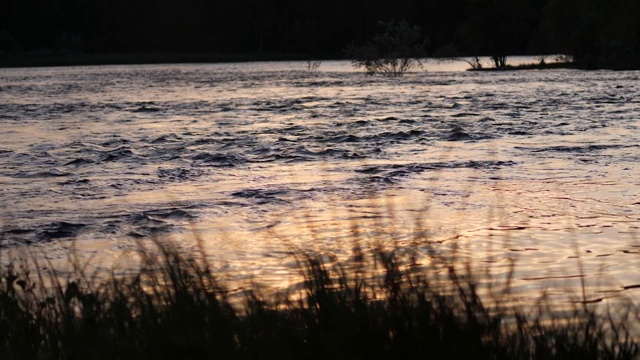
x: 540, y: 167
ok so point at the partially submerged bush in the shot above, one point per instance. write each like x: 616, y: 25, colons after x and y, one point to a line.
x: 399, y: 48
x: 313, y: 65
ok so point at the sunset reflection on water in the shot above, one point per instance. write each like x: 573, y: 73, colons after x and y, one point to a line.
x: 532, y: 168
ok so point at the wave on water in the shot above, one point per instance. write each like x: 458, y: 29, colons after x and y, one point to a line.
x: 90, y: 155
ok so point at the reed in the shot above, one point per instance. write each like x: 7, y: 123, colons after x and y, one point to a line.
x: 173, y: 307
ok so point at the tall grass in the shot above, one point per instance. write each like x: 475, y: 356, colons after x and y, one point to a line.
x: 173, y: 307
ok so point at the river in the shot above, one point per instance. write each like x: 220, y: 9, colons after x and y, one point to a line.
x: 533, y: 168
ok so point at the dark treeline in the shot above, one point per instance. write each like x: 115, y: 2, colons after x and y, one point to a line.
x: 595, y: 32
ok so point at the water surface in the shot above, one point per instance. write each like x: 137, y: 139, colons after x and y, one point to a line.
x: 255, y: 159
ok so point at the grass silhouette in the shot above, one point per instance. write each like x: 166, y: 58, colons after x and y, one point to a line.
x: 173, y: 307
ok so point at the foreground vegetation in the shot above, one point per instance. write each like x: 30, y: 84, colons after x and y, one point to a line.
x: 174, y: 308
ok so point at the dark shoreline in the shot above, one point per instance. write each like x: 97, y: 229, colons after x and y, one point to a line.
x: 561, y: 65
x: 54, y: 60
x: 543, y: 66
x: 30, y: 60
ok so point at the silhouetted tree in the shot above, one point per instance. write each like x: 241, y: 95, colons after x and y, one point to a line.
x: 8, y: 42
x: 441, y: 21
x: 400, y: 47
x: 498, y: 28
x: 597, y: 33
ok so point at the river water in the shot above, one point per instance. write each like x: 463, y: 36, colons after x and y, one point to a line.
x: 533, y: 168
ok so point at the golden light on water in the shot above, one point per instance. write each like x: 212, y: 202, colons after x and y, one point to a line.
x: 256, y: 163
